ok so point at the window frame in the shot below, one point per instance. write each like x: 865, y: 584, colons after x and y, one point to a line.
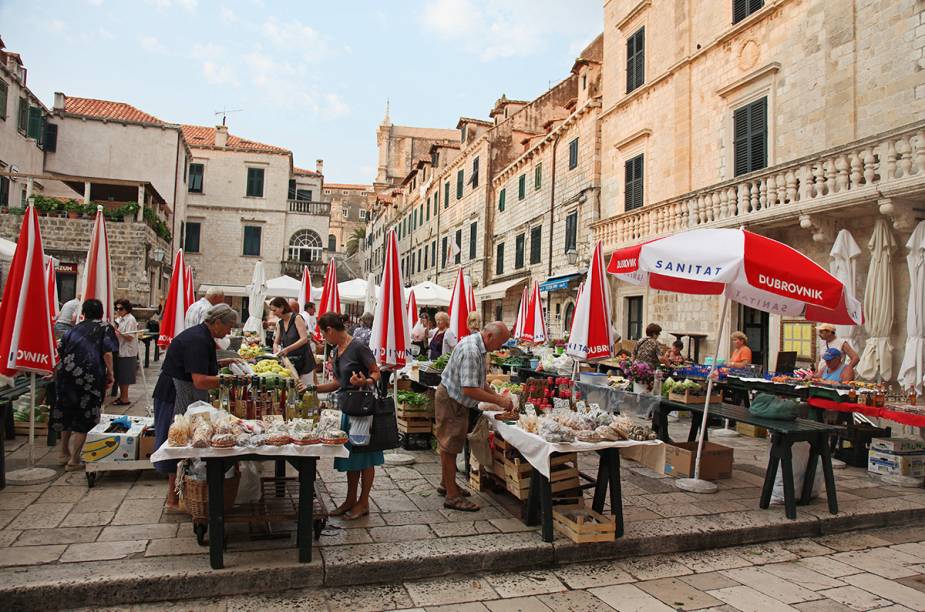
x: 445, y: 255
x: 4, y: 98
x: 520, y: 246
x: 251, y: 181
x: 635, y: 186
x: 636, y: 60
x: 499, y: 259
x: 571, y: 234
x: 522, y: 187
x: 474, y: 178
x: 473, y: 238
x: 573, y: 153
x: 501, y: 197
x: 458, y: 236
x: 201, y: 176
x: 446, y: 195
x: 538, y: 177
x: 186, y: 237
x: 460, y: 183
x: 631, y: 323
x: 259, y: 230
x: 748, y: 8
x: 537, y: 250
x: 746, y: 111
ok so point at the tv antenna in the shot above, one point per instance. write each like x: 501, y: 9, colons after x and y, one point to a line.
x: 225, y: 112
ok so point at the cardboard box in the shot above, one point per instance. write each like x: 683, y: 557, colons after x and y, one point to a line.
x: 146, y: 444
x: 111, y: 446
x: 897, y: 445
x: 715, y: 464
x: 893, y: 464
x: 650, y: 455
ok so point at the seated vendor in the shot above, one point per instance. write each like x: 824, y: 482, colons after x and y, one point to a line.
x: 836, y: 369
x: 741, y: 354
x: 673, y: 356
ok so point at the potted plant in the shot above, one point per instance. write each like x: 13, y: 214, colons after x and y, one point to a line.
x: 74, y: 209
x: 641, y: 374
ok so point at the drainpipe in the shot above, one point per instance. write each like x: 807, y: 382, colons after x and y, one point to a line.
x: 552, y: 205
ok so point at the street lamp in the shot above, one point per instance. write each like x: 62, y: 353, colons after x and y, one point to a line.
x: 572, y: 256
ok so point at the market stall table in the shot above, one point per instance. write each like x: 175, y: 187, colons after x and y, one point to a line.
x: 303, y: 458
x: 783, y: 435
x: 618, y: 401
x: 538, y: 451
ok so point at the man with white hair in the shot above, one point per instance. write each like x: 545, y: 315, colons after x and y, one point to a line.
x: 197, y: 311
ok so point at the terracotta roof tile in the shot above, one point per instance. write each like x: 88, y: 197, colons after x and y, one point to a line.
x: 204, y: 138
x: 304, y: 171
x: 107, y: 109
x: 348, y: 186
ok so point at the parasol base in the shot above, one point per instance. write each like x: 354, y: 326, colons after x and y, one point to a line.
x: 30, y: 476
x: 696, y: 485
x: 725, y: 433
x: 838, y: 464
x: 399, y: 459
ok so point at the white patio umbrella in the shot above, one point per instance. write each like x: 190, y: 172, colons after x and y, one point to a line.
x: 282, y: 286
x: 913, y: 365
x: 353, y: 291
x: 877, y: 358
x: 430, y: 294
x: 845, y: 252
x: 369, y: 304
x: 256, y: 291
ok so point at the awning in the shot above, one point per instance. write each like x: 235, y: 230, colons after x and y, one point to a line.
x: 228, y: 290
x: 497, y: 291
x: 554, y: 283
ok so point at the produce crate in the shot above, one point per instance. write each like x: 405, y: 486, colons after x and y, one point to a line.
x: 752, y: 431
x: 404, y: 412
x: 415, y: 424
x: 688, y: 398
x: 404, y: 384
x: 22, y: 428
x: 581, y: 525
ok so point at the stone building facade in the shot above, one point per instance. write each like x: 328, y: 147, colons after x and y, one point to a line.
x: 792, y: 118
x: 350, y: 208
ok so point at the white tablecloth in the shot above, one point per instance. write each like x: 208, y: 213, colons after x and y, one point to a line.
x: 536, y: 450
x: 166, y: 453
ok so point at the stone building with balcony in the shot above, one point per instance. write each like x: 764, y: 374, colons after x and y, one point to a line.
x: 351, y: 205
x: 793, y: 119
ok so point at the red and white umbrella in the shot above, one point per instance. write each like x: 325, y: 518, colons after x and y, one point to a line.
x: 305, y: 289
x: 27, y: 343
x: 413, y: 317
x: 391, y: 335
x: 591, y: 336
x: 330, y: 296
x: 470, y: 295
x: 173, y: 320
x: 534, y: 327
x: 190, y: 293
x: 518, y: 331
x: 97, y: 277
x: 51, y: 287
x: 459, y: 308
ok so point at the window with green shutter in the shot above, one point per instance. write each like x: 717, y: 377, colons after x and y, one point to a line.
x: 632, y: 183
x: 573, y: 154
x: 433, y: 253
x: 522, y: 187
x: 473, y: 238
x: 191, y: 243
x: 458, y: 257
x: 426, y: 249
x: 22, y: 119
x: 443, y: 255
x: 4, y: 88
x: 255, y: 182
x: 750, y: 140
x: 414, y: 219
x: 196, y: 172
x: 446, y: 195
x: 636, y: 60
x: 36, y: 124
x: 459, y: 184
x: 538, y: 177
x: 571, y: 231
x: 501, y: 195
x: 743, y: 8
x: 474, y: 179
x: 421, y: 215
x: 536, y: 246
x: 428, y: 208
x: 499, y: 259
x: 519, y: 251
x: 252, y: 240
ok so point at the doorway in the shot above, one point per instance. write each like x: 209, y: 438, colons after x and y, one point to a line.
x: 755, y: 324
x: 67, y: 286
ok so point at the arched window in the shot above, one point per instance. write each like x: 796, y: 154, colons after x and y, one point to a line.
x: 332, y: 242
x: 569, y: 312
x: 305, y: 245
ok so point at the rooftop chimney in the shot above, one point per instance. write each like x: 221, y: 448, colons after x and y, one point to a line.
x: 319, y: 166
x: 221, y: 135
x: 59, y: 101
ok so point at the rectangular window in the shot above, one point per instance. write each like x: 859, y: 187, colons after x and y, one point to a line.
x: 345, y: 212
x: 36, y: 124
x: 519, y: 251
x: 473, y: 237
x: 799, y: 337
x: 458, y: 257
x: 426, y: 249
x: 433, y: 253
x: 22, y: 119
x: 573, y: 154
x: 571, y: 231
x: 444, y: 254
x: 459, y: 184
x: 362, y: 214
x: 3, y: 95
x: 634, y: 317
x: 196, y: 172
x: 421, y: 216
x: 252, y: 240
x: 536, y: 247
x: 292, y: 189
x: 501, y: 200
x: 750, y: 127
x: 428, y: 208
x: 414, y: 219
x: 538, y: 177
x: 475, y: 173
x: 191, y: 244
x: 499, y: 259
x: 4, y: 191
x: 303, y: 195
x: 636, y: 60
x: 522, y: 187
x: 419, y: 261
x: 743, y: 8
x: 446, y: 195
x: 255, y: 182
x: 632, y: 183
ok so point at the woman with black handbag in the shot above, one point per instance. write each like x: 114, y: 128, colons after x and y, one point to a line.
x: 355, y: 369
x: 291, y: 340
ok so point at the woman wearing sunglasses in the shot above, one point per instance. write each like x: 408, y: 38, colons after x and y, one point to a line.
x: 127, y: 362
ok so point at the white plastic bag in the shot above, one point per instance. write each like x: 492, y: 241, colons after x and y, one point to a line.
x: 799, y: 460
x: 249, y: 487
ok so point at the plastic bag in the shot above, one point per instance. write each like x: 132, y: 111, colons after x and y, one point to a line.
x: 478, y: 442
x: 799, y: 460
x: 249, y: 488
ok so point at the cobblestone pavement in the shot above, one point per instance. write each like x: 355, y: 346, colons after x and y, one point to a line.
x: 874, y: 570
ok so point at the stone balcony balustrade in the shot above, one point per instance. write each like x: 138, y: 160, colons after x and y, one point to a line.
x: 320, y: 209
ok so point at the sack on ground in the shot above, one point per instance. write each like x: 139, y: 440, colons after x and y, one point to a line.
x: 478, y: 442
x: 800, y: 459
x: 249, y: 487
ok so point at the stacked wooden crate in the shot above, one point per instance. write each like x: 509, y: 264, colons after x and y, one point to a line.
x: 416, y: 420
x: 515, y: 472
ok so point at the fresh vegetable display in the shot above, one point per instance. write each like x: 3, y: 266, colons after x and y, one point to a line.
x: 270, y: 367
x: 413, y: 401
x: 686, y: 386
x: 440, y: 362
x: 251, y: 351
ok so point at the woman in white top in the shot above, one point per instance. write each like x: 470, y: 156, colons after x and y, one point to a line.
x: 127, y: 362
x: 827, y: 340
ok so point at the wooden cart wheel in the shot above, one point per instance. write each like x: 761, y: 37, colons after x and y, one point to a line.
x: 200, y: 529
x: 91, y: 479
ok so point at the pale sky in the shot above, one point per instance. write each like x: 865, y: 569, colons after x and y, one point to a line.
x: 310, y: 76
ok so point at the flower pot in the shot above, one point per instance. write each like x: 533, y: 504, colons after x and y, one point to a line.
x: 72, y: 214
x: 640, y: 388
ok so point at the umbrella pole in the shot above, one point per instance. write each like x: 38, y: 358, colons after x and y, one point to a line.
x: 32, y: 421
x: 695, y: 484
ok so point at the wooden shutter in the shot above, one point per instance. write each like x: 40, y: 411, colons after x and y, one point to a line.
x: 433, y: 253
x: 22, y: 119
x: 446, y: 194
x: 3, y: 95
x: 522, y: 187
x: 536, y: 246
x: 443, y: 257
x: 519, y: 252
x: 473, y: 237
x: 501, y: 200
x: 750, y: 137
x: 459, y: 184
x: 499, y: 259
x: 633, y: 183
x: 571, y: 231
x: 743, y: 8
x: 50, y: 141
x: 538, y: 177
x: 640, y: 57
x: 458, y: 244
x: 35, y: 123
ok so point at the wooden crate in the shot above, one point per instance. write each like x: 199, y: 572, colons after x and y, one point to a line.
x: 688, y: 398
x: 404, y: 384
x: 752, y: 431
x: 415, y: 425
x: 581, y: 525
x: 22, y: 428
x: 402, y: 412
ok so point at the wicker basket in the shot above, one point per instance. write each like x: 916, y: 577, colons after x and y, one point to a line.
x: 196, y: 496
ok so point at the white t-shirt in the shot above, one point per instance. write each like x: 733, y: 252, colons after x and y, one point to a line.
x: 196, y: 313
x: 127, y: 324
x: 68, y: 312
x: 822, y: 346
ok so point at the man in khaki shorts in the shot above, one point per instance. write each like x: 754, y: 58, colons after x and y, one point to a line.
x: 463, y: 387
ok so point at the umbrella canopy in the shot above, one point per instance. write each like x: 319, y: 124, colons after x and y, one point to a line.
x: 844, y: 254
x: 591, y: 336
x: 330, y: 297
x: 26, y: 340
x: 431, y: 294
x: 391, y: 336
x: 913, y: 365
x: 534, y: 326
x: 354, y: 291
x: 877, y: 358
x: 470, y: 295
x: 7, y: 249
x: 51, y: 286
x: 518, y: 330
x: 413, y: 317
x: 369, y: 303
x: 459, y: 308
x: 750, y: 269
x: 305, y: 289
x: 256, y: 294
x: 173, y: 320
x: 97, y: 278
x: 282, y: 286
x: 190, y: 293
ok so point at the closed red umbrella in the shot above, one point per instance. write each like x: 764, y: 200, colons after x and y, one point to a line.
x: 413, y: 317
x: 330, y: 296
x: 518, y: 332
x: 305, y: 289
x: 534, y: 326
x: 97, y: 277
x: 190, y: 292
x: 173, y: 320
x: 591, y: 336
x: 27, y: 343
x: 459, y: 308
x: 391, y: 336
x: 51, y: 284
x: 470, y: 295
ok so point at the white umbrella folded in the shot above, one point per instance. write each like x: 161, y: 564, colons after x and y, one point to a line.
x: 877, y: 358
x: 913, y: 365
x: 256, y: 293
